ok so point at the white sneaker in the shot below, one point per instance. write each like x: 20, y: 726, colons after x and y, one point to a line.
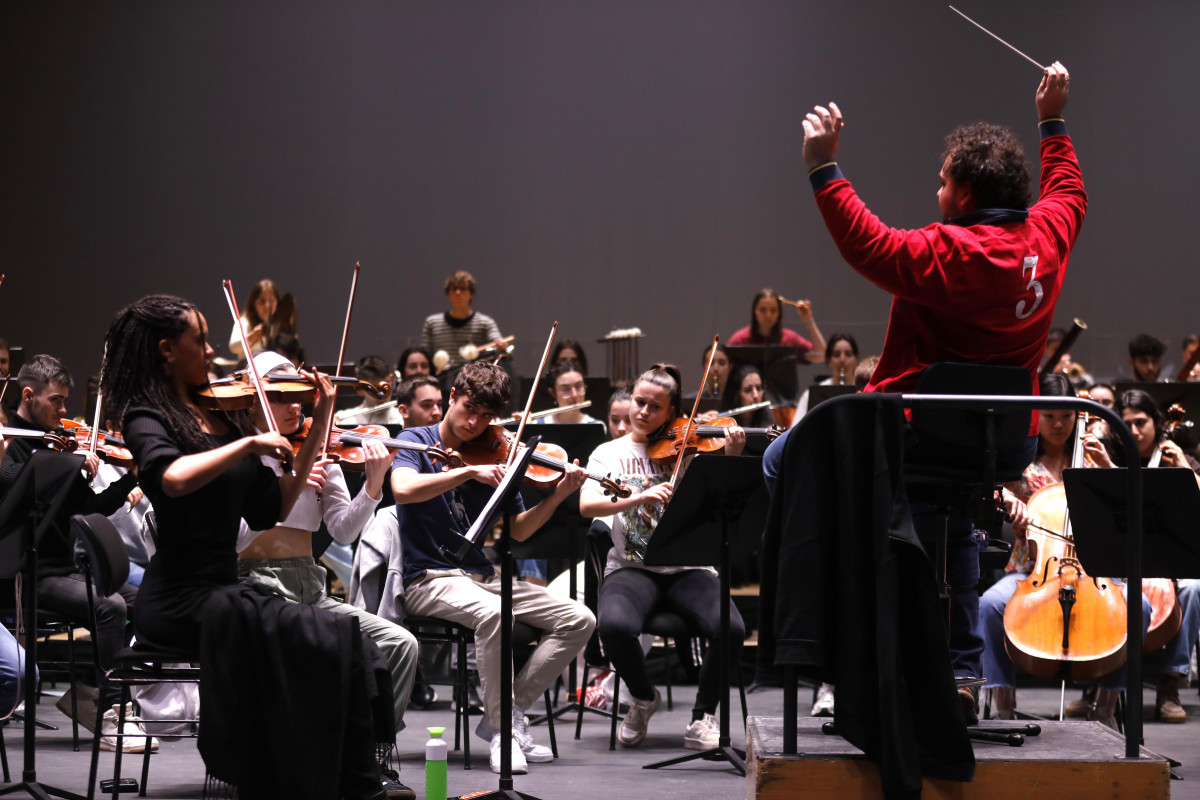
x: 702, y: 734
x: 134, y: 740
x: 633, y: 727
x: 519, y: 765
x: 533, y: 752
x: 823, y: 706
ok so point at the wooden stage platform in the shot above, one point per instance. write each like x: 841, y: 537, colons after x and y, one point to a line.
x: 1068, y: 761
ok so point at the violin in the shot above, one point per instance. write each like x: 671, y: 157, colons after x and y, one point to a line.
x: 546, y: 467
x: 347, y: 446
x: 1061, y: 622
x: 108, y: 446
x: 236, y: 392
x: 708, y: 438
x: 60, y: 439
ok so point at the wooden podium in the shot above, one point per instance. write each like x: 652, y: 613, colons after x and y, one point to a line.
x: 1068, y: 761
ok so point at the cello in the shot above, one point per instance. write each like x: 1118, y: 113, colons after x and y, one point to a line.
x: 1061, y: 622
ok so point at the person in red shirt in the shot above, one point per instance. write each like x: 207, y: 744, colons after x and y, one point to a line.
x: 766, y: 327
x: 978, y: 287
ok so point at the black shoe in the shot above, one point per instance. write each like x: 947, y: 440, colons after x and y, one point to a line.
x: 474, y: 704
x: 392, y: 786
x: 423, y: 696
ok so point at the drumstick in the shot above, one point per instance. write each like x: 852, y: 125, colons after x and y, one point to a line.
x: 997, y: 38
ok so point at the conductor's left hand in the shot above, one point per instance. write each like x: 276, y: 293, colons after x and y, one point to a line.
x: 822, y: 130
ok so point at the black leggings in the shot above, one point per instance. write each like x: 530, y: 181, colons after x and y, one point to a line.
x: 630, y: 596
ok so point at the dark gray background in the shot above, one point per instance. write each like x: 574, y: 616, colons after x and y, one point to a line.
x: 603, y: 163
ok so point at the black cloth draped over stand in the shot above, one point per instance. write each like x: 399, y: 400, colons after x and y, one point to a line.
x: 851, y: 598
x: 293, y: 699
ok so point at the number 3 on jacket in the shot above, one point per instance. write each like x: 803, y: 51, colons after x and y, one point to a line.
x: 1030, y: 266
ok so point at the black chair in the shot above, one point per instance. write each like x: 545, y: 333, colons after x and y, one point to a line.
x: 431, y: 630
x: 106, y: 564
x: 962, y: 455
x: 52, y: 627
x: 663, y: 624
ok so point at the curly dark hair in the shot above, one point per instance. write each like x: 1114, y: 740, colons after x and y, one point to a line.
x: 487, y: 385
x: 133, y: 374
x: 989, y: 158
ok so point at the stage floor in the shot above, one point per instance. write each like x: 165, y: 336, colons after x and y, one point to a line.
x: 586, y: 768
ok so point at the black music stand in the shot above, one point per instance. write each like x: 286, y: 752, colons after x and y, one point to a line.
x: 29, y: 509
x: 1170, y: 508
x: 565, y: 535
x: 821, y: 392
x: 502, y: 499
x: 717, y: 514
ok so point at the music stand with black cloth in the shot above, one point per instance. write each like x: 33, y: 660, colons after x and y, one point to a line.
x: 32, y: 505
x: 776, y: 364
x: 565, y: 534
x: 715, y: 515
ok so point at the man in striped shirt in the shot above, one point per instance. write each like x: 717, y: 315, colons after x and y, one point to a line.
x: 461, y: 325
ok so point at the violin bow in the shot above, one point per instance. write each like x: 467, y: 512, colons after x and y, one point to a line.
x: 691, y: 423
x: 94, y: 437
x: 284, y: 460
x: 512, y: 451
x: 342, y: 352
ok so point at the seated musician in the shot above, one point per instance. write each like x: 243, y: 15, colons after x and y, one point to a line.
x: 202, y: 471
x: 1056, y: 443
x: 569, y: 350
x: 44, y: 385
x: 841, y: 357
x: 419, y: 401
x: 1145, y: 357
x: 414, y: 361
x: 564, y: 382
x: 1146, y: 422
x: 632, y: 591
x: 766, y: 328
x: 373, y: 370
x: 435, y: 509
x: 279, y: 561
x: 256, y: 320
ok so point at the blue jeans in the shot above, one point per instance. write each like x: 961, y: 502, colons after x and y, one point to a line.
x: 1178, y: 652
x: 12, y: 672
x: 997, y: 666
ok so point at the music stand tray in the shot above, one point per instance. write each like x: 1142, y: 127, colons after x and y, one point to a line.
x: 1170, y: 508
x: 717, y: 513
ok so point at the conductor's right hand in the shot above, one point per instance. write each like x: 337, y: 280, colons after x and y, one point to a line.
x: 1052, y: 92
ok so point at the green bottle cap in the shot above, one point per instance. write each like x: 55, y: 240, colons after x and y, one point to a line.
x: 436, y: 731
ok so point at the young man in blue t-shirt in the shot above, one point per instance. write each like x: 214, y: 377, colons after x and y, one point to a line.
x: 435, y: 508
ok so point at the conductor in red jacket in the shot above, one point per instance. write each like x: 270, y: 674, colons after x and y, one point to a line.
x: 978, y: 287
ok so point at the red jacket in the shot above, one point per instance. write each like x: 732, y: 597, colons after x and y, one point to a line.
x: 981, y: 289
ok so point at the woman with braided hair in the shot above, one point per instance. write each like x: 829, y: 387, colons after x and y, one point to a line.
x: 198, y: 467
